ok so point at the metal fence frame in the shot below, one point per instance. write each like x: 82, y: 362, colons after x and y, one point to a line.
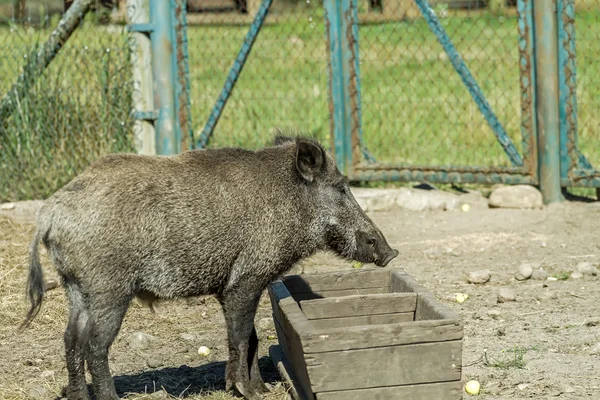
x: 550, y: 158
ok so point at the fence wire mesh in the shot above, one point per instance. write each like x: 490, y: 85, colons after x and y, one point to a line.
x: 416, y: 108
x: 587, y: 53
x: 78, y: 108
x: 284, y: 82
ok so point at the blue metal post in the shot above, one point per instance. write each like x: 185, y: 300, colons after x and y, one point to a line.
x: 344, y: 81
x: 527, y: 84
x: 547, y: 95
x: 168, y: 138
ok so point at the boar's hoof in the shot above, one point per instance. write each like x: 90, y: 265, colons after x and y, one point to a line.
x: 247, y: 391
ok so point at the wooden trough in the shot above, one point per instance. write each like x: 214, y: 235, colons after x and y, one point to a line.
x: 365, y: 334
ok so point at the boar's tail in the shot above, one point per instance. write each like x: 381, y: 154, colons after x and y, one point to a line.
x: 35, y: 281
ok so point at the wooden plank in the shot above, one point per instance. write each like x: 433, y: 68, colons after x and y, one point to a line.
x: 334, y: 323
x: 385, y: 366
x: 290, y: 324
x: 428, y: 391
x: 428, y: 308
x: 337, y: 280
x: 359, y: 305
x: 320, y: 294
x: 361, y: 337
x: 284, y: 370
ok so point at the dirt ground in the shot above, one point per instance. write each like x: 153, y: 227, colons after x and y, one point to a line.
x: 537, y: 346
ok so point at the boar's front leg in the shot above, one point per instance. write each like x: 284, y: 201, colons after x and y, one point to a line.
x: 239, y: 302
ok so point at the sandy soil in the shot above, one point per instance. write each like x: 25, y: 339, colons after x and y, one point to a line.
x: 537, y: 346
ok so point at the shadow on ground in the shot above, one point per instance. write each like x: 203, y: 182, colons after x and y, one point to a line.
x: 185, y: 381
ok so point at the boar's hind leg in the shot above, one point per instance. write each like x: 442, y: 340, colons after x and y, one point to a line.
x: 106, y: 312
x: 239, y: 304
x: 75, y: 332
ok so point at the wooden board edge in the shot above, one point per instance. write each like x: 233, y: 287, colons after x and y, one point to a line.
x: 310, y: 307
x: 401, y: 281
x: 286, y: 373
x: 282, y: 302
x: 455, y: 389
x: 353, y: 338
x: 314, y: 281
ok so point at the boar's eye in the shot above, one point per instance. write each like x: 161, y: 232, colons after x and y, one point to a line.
x: 342, y: 189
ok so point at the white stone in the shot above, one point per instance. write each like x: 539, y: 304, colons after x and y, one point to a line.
x: 518, y: 196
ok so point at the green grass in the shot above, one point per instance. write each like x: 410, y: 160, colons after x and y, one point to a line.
x: 415, y: 107
x: 512, y: 358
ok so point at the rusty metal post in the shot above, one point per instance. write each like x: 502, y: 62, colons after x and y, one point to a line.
x: 547, y: 95
x: 344, y: 82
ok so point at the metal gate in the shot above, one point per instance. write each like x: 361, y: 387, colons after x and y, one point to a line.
x: 539, y: 148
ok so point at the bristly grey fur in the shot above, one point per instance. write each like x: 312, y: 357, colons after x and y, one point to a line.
x: 223, y: 222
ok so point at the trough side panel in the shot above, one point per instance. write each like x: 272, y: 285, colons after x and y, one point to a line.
x: 359, y: 305
x: 290, y: 323
x: 365, y: 320
x: 337, y: 280
x: 321, y: 294
x: 385, y: 366
x: 362, y: 337
x: 428, y: 308
x: 428, y: 391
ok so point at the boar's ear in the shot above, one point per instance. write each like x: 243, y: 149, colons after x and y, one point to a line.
x: 310, y: 159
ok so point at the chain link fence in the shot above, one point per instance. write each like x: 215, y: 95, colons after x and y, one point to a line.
x: 587, y: 33
x: 78, y: 109
x: 284, y: 82
x: 415, y: 107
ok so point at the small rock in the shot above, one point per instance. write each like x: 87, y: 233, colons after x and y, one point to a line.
x: 539, y: 275
x: 517, y: 196
x: 552, y: 278
x: 481, y: 276
x: 506, y: 294
x: 586, y: 268
x: 140, y: 340
x: 188, y: 337
x: 576, y: 275
x: 522, y: 386
x: 595, y: 350
x: 524, y: 272
x: 7, y: 206
x: 38, y: 392
x: 154, y: 361
x: 495, y: 314
x: 501, y: 331
x: 594, y: 321
x: 47, y: 374
x: 567, y: 389
x: 546, y: 295
x: 422, y: 200
x: 161, y: 394
x: 555, y: 393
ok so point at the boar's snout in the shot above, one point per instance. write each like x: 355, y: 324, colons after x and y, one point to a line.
x: 393, y: 253
x: 374, y: 248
